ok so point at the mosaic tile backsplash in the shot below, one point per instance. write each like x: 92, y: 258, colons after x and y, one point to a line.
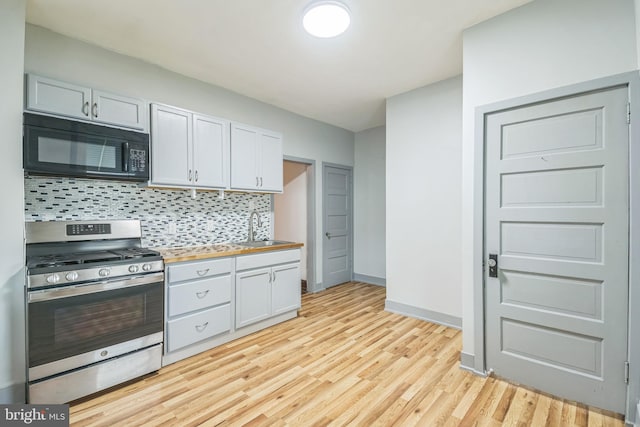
x: 58, y: 198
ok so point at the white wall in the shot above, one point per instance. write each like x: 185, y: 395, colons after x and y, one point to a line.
x: 369, y: 204
x: 539, y: 46
x: 637, y: 22
x: 57, y: 56
x: 290, y: 210
x: 423, y: 198
x: 12, y: 333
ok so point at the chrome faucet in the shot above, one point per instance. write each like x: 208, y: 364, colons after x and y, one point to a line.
x: 252, y: 237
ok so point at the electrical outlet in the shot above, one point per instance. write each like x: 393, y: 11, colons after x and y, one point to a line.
x: 171, y: 228
x: 252, y: 205
x: 210, y: 225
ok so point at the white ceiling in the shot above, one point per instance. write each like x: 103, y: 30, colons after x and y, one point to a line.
x: 258, y: 47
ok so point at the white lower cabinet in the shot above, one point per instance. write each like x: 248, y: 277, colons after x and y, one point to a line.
x: 198, y: 326
x: 198, y: 302
x: 213, y: 301
x: 253, y: 296
x: 266, y: 285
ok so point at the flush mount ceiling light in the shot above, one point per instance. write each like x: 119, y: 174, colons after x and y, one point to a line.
x: 326, y: 18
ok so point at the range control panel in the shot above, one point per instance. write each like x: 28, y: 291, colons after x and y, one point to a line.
x: 87, y: 229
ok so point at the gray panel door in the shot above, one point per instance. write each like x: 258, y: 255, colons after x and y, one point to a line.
x: 336, y: 252
x: 556, y: 212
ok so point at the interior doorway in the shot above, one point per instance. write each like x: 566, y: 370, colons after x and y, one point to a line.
x: 294, y: 214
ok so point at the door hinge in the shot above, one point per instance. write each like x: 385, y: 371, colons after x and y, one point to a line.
x: 626, y: 372
x: 628, y: 112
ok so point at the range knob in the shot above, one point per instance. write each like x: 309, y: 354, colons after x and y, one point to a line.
x: 104, y: 272
x: 133, y: 268
x: 71, y: 276
x: 53, y: 278
x: 146, y: 267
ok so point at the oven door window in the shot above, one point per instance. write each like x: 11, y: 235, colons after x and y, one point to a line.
x: 66, y: 327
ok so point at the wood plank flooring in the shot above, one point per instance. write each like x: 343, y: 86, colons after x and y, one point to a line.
x: 343, y: 362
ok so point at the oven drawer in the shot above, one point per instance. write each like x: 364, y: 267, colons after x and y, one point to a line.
x: 198, y: 270
x: 200, y: 294
x: 197, y: 327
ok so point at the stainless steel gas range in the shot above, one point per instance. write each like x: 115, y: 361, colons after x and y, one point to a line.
x: 95, y: 302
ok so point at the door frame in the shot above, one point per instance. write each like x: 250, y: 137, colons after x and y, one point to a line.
x: 476, y: 362
x: 311, y: 218
x: 324, y: 214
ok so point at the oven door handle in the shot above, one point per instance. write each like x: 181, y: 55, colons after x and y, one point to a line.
x: 92, y: 288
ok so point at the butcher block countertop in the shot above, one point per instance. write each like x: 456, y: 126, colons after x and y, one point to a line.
x: 194, y: 253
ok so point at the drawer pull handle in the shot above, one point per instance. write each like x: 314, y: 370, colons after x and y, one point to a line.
x: 202, y: 294
x: 202, y: 327
x: 202, y: 272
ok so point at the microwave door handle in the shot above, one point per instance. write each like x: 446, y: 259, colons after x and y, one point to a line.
x: 125, y: 157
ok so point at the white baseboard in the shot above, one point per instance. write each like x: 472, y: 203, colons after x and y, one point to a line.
x: 13, y: 393
x: 373, y: 280
x: 423, y: 314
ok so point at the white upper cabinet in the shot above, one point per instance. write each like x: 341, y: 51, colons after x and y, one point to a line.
x: 188, y: 149
x: 210, y: 151
x: 171, y: 136
x: 80, y: 102
x: 256, y: 159
x: 118, y: 110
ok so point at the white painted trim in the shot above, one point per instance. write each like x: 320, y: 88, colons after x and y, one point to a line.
x: 373, y: 280
x: 467, y: 363
x: 423, y: 314
x: 319, y: 288
x: 632, y: 79
x: 311, y: 218
x: 13, y: 393
x: 633, y: 389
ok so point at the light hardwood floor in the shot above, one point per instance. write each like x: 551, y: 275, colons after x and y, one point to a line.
x: 343, y: 361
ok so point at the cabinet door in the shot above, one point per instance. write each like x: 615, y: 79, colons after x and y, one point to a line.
x: 171, y: 130
x: 270, y: 162
x: 286, y: 288
x: 52, y: 96
x: 253, y: 296
x: 210, y: 152
x: 244, y: 159
x: 118, y: 110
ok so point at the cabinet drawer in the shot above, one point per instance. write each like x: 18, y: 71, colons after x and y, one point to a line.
x: 198, y: 269
x: 197, y: 327
x: 246, y: 262
x: 200, y: 294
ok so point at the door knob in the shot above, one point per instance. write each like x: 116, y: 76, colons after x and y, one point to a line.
x: 493, y: 265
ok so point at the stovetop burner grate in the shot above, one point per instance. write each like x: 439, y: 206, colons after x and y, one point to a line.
x: 59, y: 260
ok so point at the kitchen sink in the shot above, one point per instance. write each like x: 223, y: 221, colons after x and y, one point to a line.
x: 262, y: 243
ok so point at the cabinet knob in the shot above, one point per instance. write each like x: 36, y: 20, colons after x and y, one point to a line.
x: 190, y: 175
x: 328, y: 235
x: 94, y: 109
x: 85, y: 109
x: 196, y: 176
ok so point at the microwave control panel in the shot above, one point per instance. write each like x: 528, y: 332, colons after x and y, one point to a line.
x: 137, y: 160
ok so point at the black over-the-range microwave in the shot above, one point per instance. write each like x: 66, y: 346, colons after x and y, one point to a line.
x: 55, y: 146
